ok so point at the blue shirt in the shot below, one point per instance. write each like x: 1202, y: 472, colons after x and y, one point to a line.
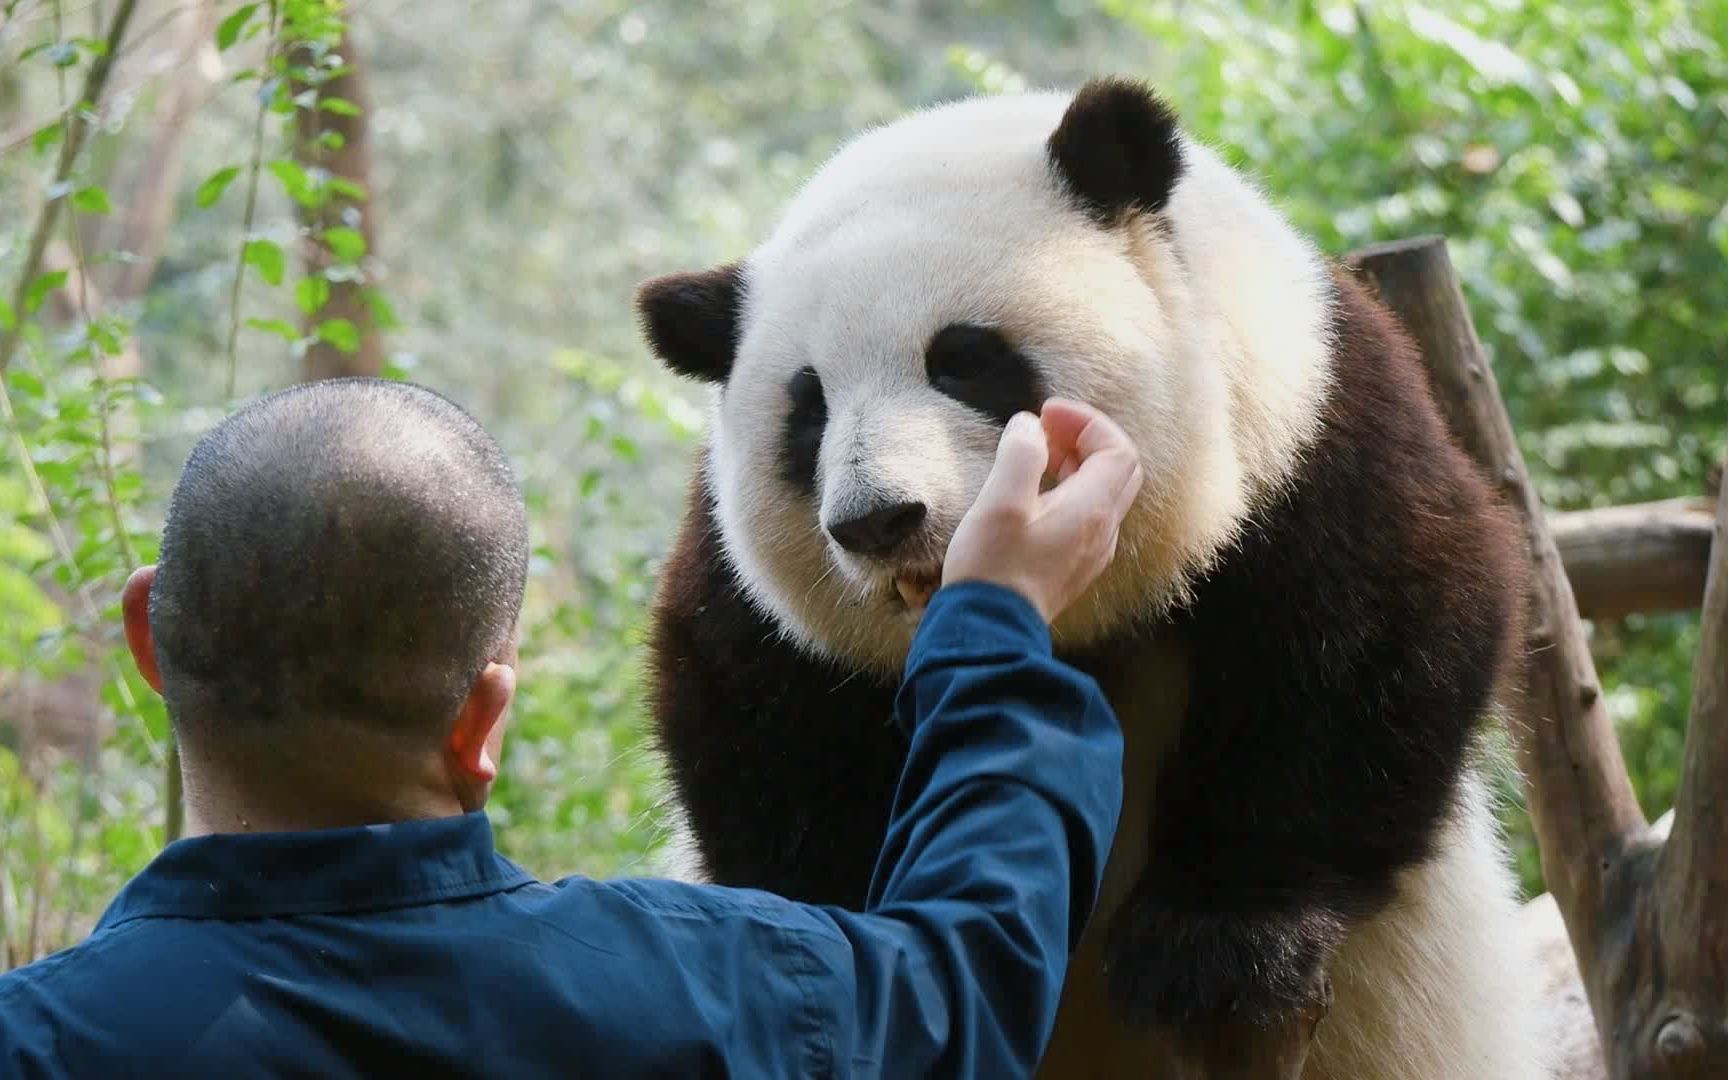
x: 414, y: 947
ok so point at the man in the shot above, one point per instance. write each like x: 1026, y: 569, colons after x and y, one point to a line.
x: 332, y: 627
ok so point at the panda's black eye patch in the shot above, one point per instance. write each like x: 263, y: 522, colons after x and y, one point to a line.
x: 805, y: 423
x: 978, y: 367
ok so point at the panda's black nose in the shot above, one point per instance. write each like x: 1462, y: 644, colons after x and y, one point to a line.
x: 879, y: 531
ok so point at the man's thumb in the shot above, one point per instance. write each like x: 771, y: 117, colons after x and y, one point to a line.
x: 1021, y: 457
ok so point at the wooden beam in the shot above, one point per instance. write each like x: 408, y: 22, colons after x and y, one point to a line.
x: 1637, y: 559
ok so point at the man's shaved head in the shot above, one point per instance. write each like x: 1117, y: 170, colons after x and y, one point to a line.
x: 350, y: 551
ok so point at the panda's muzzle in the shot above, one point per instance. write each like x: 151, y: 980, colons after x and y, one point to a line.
x: 880, y: 531
x: 891, y: 534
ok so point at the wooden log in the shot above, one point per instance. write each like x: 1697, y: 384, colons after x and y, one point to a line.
x: 1637, y: 559
x: 1587, y: 821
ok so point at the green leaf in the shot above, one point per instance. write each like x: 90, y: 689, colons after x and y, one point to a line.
x: 279, y: 327
x: 343, y: 186
x: 8, y: 317
x: 40, y: 288
x: 339, y: 106
x: 27, y: 382
x: 229, y: 31
x: 60, y: 474
x: 340, y: 333
x: 47, y: 135
x: 345, y: 243
x: 211, y: 190
x: 383, y: 315
x: 311, y: 293
x: 108, y: 333
x: 292, y: 177
x: 91, y: 200
x: 1674, y: 199
x: 268, y: 258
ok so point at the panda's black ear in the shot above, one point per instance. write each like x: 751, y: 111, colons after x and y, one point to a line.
x: 691, y: 320
x: 1117, y: 149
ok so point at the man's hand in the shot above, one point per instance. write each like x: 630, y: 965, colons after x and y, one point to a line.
x: 1048, y: 546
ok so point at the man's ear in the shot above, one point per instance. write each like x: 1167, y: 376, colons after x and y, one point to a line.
x: 691, y: 320
x: 135, y: 616
x: 479, y: 728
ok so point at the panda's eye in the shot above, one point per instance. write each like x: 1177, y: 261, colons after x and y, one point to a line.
x: 805, y: 422
x: 978, y: 367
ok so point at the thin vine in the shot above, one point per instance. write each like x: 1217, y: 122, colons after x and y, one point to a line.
x: 96, y: 350
x: 253, y: 171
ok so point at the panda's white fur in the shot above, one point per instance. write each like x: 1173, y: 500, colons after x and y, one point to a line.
x: 1212, y: 337
x: 1204, y: 333
x: 1442, y: 985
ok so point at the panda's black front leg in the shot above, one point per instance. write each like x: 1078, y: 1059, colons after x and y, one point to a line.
x: 1182, y: 961
x: 1319, y: 755
x: 1342, y: 655
x: 1298, y: 788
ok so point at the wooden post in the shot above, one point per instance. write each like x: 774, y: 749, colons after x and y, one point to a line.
x: 1679, y: 977
x: 1648, y: 922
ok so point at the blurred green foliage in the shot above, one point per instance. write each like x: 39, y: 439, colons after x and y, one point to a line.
x: 533, y: 160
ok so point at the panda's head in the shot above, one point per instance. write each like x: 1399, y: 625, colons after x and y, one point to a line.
x: 940, y: 274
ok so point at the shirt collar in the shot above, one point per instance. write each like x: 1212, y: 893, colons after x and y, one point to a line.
x: 329, y: 871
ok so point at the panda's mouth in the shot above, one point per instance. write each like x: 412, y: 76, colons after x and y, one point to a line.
x: 916, y: 587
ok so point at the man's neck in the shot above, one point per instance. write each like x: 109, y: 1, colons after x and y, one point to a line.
x: 223, y: 798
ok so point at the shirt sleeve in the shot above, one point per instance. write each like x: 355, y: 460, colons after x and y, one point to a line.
x: 1002, y: 823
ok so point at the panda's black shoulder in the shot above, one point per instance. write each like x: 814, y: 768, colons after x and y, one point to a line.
x: 785, y: 763
x: 1364, y: 619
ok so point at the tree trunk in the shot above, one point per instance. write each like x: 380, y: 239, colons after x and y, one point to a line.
x: 349, y: 160
x: 149, y: 200
x: 1648, y: 920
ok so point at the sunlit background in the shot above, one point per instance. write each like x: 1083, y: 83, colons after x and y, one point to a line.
x: 529, y: 161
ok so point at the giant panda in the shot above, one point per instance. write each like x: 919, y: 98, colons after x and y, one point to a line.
x: 1314, y: 601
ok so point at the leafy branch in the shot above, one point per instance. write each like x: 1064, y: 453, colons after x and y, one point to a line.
x: 250, y: 250
x: 74, y: 127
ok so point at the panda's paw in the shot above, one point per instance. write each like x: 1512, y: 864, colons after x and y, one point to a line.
x: 1167, y: 967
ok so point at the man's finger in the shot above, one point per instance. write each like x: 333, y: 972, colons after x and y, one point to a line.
x: 1077, y: 430
x: 1063, y: 421
x: 1021, y: 457
x: 1097, y: 484
x: 1130, y: 490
